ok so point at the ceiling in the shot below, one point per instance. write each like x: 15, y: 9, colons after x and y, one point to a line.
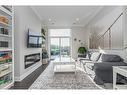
x: 66, y: 15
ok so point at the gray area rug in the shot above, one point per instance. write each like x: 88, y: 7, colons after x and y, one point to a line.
x: 48, y: 80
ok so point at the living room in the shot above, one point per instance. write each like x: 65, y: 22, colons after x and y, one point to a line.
x: 62, y: 47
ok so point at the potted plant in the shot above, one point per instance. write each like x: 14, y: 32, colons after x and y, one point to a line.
x: 82, y: 51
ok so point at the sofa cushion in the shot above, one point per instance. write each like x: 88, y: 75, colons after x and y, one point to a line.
x: 95, y: 56
x: 111, y: 58
x: 107, y: 65
x: 100, y: 58
x: 103, y: 72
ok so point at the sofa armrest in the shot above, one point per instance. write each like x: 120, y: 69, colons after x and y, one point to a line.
x: 86, y: 61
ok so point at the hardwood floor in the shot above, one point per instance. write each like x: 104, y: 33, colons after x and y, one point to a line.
x: 27, y: 82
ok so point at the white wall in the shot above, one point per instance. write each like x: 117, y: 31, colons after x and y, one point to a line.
x: 80, y: 34
x: 24, y: 18
x: 102, y: 22
x: 125, y: 32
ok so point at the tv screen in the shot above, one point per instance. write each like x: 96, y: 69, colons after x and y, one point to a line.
x: 34, y: 40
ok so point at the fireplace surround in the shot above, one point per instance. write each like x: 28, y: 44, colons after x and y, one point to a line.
x: 31, y: 59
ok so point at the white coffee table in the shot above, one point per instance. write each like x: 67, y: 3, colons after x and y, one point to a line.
x: 64, y: 65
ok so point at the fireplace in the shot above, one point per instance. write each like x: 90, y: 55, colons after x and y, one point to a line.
x: 31, y: 59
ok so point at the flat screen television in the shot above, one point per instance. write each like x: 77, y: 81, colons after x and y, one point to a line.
x: 34, y: 40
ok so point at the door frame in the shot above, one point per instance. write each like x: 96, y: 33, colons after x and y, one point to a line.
x: 60, y: 44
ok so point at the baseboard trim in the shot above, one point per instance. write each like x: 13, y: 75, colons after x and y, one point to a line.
x: 20, y: 78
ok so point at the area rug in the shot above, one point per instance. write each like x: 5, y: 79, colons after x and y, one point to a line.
x: 49, y: 80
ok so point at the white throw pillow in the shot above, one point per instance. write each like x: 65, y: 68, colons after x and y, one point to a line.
x: 95, y: 56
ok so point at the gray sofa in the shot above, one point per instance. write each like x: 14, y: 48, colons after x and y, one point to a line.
x: 101, y: 69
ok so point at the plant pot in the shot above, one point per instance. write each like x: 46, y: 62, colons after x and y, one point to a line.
x: 82, y: 55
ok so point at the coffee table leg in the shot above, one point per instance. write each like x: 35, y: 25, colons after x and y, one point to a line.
x: 53, y: 68
x: 75, y: 68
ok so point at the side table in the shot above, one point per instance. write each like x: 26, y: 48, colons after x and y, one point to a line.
x: 122, y: 70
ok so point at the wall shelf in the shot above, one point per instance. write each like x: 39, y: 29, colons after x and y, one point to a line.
x: 6, y: 53
x: 4, y: 24
x: 3, y: 74
x: 6, y: 85
x: 3, y: 35
x: 6, y: 49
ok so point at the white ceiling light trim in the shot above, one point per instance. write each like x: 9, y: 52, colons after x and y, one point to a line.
x: 66, y: 15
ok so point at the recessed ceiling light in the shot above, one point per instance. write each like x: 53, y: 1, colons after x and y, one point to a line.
x: 50, y: 19
x: 77, y: 19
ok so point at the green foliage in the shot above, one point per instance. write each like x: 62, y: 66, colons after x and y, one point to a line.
x: 43, y: 31
x: 82, y: 50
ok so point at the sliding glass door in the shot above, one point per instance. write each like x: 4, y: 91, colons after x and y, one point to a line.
x: 60, y: 47
x: 60, y: 43
x: 65, y: 47
x: 54, y: 48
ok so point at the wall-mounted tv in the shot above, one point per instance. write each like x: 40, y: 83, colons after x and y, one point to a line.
x: 34, y: 40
